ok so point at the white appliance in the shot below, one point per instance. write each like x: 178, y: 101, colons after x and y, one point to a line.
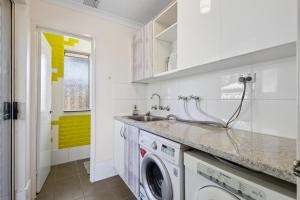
x: 206, y: 178
x: 161, y: 168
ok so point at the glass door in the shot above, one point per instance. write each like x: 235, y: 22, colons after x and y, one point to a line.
x: 5, y: 100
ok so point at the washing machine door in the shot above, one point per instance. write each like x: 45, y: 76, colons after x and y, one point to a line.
x: 211, y: 192
x: 155, y: 178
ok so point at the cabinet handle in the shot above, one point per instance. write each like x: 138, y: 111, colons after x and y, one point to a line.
x: 121, y: 132
x: 124, y: 136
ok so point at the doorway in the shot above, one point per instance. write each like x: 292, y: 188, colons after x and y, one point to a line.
x: 6, y: 98
x: 64, y: 102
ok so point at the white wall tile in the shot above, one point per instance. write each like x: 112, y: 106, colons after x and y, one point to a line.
x: 224, y: 109
x: 220, y: 94
x: 173, y: 104
x: 276, y: 79
x: 228, y: 85
x: 275, y: 117
x: 188, y: 110
x: 142, y: 106
x: 129, y: 91
x: 123, y: 106
x: 169, y: 89
x: 142, y: 91
x: 154, y: 88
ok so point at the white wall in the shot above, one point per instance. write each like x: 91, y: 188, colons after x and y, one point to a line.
x: 270, y: 106
x: 113, y: 61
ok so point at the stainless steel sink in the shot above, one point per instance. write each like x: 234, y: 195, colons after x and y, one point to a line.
x: 146, y: 118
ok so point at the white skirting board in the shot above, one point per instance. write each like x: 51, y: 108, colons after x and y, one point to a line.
x: 70, y: 154
x: 24, y: 193
x: 103, y: 170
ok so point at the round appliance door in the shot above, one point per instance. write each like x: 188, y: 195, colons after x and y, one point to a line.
x: 211, y: 192
x: 156, y: 179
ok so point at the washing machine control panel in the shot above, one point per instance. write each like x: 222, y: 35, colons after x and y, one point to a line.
x: 231, y: 183
x: 168, y: 150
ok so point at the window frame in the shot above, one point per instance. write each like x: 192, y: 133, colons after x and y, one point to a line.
x: 77, y: 54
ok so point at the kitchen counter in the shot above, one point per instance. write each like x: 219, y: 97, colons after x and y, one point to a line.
x: 264, y: 153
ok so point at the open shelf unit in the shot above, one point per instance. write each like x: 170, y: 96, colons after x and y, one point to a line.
x: 165, y: 40
x: 169, y: 34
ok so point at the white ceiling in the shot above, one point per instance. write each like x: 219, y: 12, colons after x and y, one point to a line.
x: 139, y: 11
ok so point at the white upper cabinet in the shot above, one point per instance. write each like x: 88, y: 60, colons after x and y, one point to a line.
x: 199, y: 31
x: 212, y: 30
x: 252, y: 25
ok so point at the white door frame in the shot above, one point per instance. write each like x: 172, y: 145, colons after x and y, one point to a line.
x: 298, y: 95
x: 37, y: 31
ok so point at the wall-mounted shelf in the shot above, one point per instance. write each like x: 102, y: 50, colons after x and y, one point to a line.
x: 165, y: 40
x: 278, y: 52
x: 169, y: 34
x: 165, y: 73
x: 166, y: 18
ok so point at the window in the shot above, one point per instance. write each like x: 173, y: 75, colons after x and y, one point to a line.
x: 76, y: 83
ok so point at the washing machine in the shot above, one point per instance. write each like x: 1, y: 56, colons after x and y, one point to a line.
x: 161, y: 168
x: 207, y: 178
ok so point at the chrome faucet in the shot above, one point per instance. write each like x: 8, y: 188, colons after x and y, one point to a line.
x: 159, y: 106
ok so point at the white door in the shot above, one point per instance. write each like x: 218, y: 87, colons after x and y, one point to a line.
x: 6, y: 131
x: 44, y: 114
x: 298, y: 140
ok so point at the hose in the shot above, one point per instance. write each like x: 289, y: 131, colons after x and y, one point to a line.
x: 210, y: 116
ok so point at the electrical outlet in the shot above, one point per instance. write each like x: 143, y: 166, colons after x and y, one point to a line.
x: 252, y: 75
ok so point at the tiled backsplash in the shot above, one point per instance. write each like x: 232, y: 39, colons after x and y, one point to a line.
x: 126, y: 95
x: 270, y: 106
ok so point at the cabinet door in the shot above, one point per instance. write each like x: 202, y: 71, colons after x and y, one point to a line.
x: 148, y: 50
x: 132, y: 158
x: 198, y: 32
x: 138, y: 56
x: 119, y: 148
x: 252, y: 25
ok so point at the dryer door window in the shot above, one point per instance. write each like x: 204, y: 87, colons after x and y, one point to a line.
x: 211, y: 192
x: 156, y: 179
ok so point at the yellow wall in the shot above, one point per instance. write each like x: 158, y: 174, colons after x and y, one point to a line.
x: 74, y: 130
x: 57, y: 43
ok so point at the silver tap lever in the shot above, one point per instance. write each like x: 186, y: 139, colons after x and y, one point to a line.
x: 154, y: 107
x: 182, y: 98
x: 194, y: 97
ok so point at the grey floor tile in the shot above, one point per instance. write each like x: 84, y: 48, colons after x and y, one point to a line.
x: 70, y: 181
x: 94, y: 189
x: 45, y: 197
x: 103, y: 196
x: 121, y: 193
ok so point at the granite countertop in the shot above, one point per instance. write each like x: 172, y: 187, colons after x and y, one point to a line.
x: 264, y: 153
